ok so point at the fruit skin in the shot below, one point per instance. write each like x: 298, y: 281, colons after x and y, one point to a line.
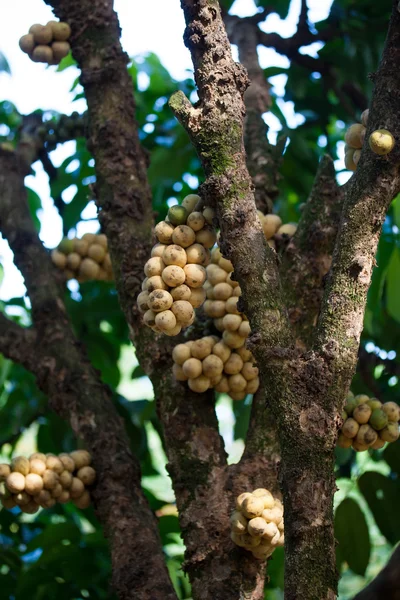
x: 42, y: 34
x: 177, y: 215
x: 42, y: 54
x: 350, y: 428
x: 20, y: 464
x: 390, y: 433
x: 366, y: 435
x: 381, y: 142
x: 60, y: 50
x: 87, y: 475
x: 81, y: 458
x: 343, y: 441
x: 4, y: 471
x: 15, y: 482
x: 61, y: 30
x: 392, y: 410
x: 252, y: 507
x: 353, y: 135
x: 378, y: 419
x: 362, y: 413
x: 27, y: 43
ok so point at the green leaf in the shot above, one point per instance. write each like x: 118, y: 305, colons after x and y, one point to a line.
x: 35, y: 204
x: 4, y: 66
x: 392, y: 456
x: 351, y: 531
x: 393, y: 286
x: 382, y: 496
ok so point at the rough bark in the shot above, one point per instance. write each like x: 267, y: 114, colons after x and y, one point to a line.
x: 123, y: 197
x: 262, y: 158
x: 77, y: 394
x: 308, y: 256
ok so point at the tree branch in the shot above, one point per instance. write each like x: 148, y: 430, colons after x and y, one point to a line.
x: 308, y: 256
x: 386, y: 584
x: 16, y: 342
x: 77, y: 394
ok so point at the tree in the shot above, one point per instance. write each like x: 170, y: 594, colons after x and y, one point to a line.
x: 305, y: 303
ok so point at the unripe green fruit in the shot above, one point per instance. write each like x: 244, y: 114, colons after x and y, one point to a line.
x: 361, y: 398
x: 373, y: 403
x: 378, y: 419
x: 381, y: 141
x: 177, y: 215
x: 350, y: 405
x: 66, y: 246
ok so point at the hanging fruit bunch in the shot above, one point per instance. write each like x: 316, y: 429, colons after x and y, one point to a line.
x: 367, y: 423
x: 44, y: 479
x: 84, y: 259
x: 47, y: 43
x: 175, y: 273
x: 257, y: 523
x: 381, y: 141
x: 210, y: 363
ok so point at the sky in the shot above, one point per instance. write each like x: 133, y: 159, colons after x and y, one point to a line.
x: 155, y: 26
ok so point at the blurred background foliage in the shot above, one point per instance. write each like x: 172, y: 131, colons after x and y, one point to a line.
x: 62, y: 552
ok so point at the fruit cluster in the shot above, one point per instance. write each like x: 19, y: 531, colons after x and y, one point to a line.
x: 222, y: 301
x: 257, y: 523
x: 84, y: 259
x: 367, y: 423
x: 44, y: 479
x: 381, y: 141
x: 175, y: 273
x: 210, y: 363
x: 272, y: 226
x: 47, y: 43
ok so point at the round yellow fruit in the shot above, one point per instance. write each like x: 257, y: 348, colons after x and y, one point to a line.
x: 160, y: 300
x: 20, y: 464
x: 81, y: 458
x: 183, y: 311
x: 197, y: 254
x: 87, y: 475
x: 180, y: 353
x: 381, y: 141
x: 174, y: 255
x: 212, y: 366
x: 196, y: 221
x: 252, y: 507
x: 164, y: 231
x: 60, y: 50
x: 200, y: 384
x: 353, y: 135
x: 232, y: 322
x: 33, y: 484
x: 195, y: 275
x: 183, y: 236
x: 206, y: 237
x: 173, y: 275
x: 197, y: 297
x: 76, y: 488
x: 182, y: 292
x: 15, y: 482
x: 190, y: 201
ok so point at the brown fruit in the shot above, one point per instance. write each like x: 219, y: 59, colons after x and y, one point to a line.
x: 197, y: 297
x: 42, y: 34
x: 77, y: 488
x: 66, y: 479
x: 180, y: 353
x: 392, y: 410
x: 200, y: 384
x: 83, y: 501
x: 81, y: 458
x: 270, y: 225
x: 50, y: 479
x: 55, y: 464
x: 87, y: 475
x: 197, y: 254
x: 353, y: 135
x: 20, y: 464
x: 68, y: 462
x: 22, y: 498
x: 4, y: 471
x: 183, y: 311
x: 366, y: 435
x: 61, y: 30
x: 15, y: 482
x: 212, y: 366
x: 60, y: 50
x: 42, y: 54
x: 192, y: 368
x: 27, y: 43
x: 97, y: 252
x: 33, y: 484
x: 178, y: 373
x: 89, y: 269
